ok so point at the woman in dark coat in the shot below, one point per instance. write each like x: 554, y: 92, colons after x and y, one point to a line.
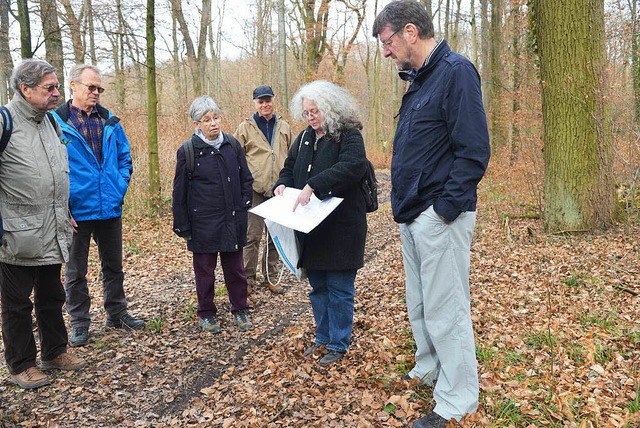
x: 328, y: 159
x: 211, y: 196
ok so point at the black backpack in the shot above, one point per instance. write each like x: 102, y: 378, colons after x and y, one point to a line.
x: 369, y: 186
x: 190, y: 155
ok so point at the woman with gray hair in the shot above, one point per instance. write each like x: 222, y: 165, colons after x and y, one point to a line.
x: 328, y: 159
x: 212, y: 191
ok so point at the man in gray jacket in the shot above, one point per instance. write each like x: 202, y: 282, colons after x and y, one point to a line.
x: 34, y: 203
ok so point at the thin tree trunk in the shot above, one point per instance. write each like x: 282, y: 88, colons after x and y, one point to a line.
x: 6, y: 63
x: 88, y: 7
x: 152, y: 112
x: 73, y: 22
x: 282, y: 51
x: 53, y: 39
x: 484, y: 48
x: 25, y: 29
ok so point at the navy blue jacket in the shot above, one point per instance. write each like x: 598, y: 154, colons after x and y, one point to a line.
x: 441, y: 147
x: 211, y: 207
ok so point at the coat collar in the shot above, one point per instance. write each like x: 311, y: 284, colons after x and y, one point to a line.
x: 27, y: 110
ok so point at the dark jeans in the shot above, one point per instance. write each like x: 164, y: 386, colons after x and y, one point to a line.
x: 204, y: 266
x: 108, y: 236
x: 16, y: 284
x: 332, y: 299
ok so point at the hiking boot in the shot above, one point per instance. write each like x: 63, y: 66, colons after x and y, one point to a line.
x: 431, y: 420
x: 31, y: 378
x: 79, y: 336
x: 241, y: 319
x: 64, y: 361
x: 275, y: 289
x: 126, y: 321
x: 331, y: 357
x: 210, y: 325
x: 311, y: 350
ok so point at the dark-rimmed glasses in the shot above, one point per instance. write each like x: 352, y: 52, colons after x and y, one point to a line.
x: 388, y: 42
x: 92, y: 88
x: 49, y: 88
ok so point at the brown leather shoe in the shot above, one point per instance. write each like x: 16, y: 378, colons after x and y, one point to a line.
x: 275, y: 289
x: 31, y: 378
x: 64, y: 361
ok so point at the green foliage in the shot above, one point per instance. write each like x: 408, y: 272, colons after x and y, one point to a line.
x: 571, y: 281
x: 606, y: 320
x: 634, y: 406
x: 576, y: 352
x: 156, y: 324
x: 189, y: 311
x: 603, y: 354
x: 485, y: 354
x: 389, y: 408
x: 221, y: 291
x: 507, y: 413
x: 541, y: 339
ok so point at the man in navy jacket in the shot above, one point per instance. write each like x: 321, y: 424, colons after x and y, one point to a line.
x: 440, y: 153
x: 99, y: 171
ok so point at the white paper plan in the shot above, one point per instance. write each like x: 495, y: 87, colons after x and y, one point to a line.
x: 304, y: 219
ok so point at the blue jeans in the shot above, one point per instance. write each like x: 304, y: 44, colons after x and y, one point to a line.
x: 332, y: 303
x: 108, y: 236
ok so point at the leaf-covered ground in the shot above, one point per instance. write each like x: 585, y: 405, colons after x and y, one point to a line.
x: 557, y: 321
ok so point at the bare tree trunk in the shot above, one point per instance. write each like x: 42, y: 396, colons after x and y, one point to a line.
x: 88, y: 7
x: 73, y: 22
x: 579, y: 182
x: 152, y: 113
x: 282, y: 51
x: 517, y: 81
x: 427, y: 5
x: 175, y: 54
x: 315, y: 31
x: 455, y: 36
x: 6, y: 63
x: 494, y: 98
x: 176, y: 9
x: 447, y: 19
x: 205, y: 20
x: 25, y: 29
x: 474, y: 33
x: 53, y: 39
x: 484, y: 48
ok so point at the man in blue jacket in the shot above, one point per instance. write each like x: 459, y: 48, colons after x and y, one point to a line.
x: 99, y: 171
x: 440, y: 153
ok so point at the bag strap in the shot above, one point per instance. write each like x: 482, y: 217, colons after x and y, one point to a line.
x: 7, y: 128
x: 190, y: 155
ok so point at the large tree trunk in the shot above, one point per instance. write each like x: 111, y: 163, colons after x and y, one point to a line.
x: 88, y: 7
x: 6, y: 63
x: 152, y: 112
x: 197, y: 78
x: 579, y: 185
x: 315, y: 30
x: 53, y: 39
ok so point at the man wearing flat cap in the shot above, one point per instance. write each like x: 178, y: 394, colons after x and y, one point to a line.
x: 266, y: 139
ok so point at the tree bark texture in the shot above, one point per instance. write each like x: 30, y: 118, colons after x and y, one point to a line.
x: 152, y: 111
x: 53, y: 39
x: 579, y: 185
x: 6, y: 63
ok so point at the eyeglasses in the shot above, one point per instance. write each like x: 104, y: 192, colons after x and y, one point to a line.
x: 388, y: 42
x: 209, y: 120
x: 50, y: 88
x: 92, y: 88
x: 315, y: 112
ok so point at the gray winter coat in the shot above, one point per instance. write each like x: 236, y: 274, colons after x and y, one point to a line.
x: 34, y: 190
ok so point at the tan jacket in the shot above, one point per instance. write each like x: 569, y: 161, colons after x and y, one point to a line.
x: 34, y: 190
x: 264, y: 162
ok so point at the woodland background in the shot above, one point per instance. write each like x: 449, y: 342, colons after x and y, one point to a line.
x: 555, y: 259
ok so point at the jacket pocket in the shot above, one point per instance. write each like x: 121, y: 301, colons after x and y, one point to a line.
x: 23, y: 236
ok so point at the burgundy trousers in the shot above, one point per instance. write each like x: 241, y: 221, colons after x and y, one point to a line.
x: 204, y: 267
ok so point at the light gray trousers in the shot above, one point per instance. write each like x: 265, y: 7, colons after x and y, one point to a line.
x: 436, y: 258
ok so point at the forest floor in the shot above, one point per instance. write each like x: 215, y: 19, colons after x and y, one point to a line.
x: 557, y: 322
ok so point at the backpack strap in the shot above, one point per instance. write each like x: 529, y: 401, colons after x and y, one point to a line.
x: 7, y: 128
x: 190, y: 155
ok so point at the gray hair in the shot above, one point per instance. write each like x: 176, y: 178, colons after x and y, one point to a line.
x: 201, y: 106
x: 76, y: 71
x: 339, y: 109
x: 30, y: 72
x: 399, y: 13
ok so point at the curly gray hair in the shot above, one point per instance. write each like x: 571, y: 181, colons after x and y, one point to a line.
x: 338, y: 107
